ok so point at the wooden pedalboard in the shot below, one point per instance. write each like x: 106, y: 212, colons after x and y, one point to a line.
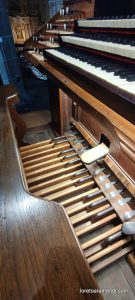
x: 90, y: 195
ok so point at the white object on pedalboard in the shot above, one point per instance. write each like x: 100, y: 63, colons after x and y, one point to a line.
x: 94, y: 154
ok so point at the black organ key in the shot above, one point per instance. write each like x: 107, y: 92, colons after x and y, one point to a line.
x: 132, y: 43
x: 130, y: 77
x: 97, y: 203
x: 97, y: 64
x: 102, y: 214
x: 110, y: 68
x: 124, y: 74
x: 119, y: 71
x: 112, y: 239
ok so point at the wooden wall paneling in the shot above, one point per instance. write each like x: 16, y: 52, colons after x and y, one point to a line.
x: 61, y: 107
x: 65, y: 110
x: 55, y: 105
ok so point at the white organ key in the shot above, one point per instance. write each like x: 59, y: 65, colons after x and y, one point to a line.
x: 123, y: 50
x: 129, y: 87
x: 56, y: 31
x: 119, y: 23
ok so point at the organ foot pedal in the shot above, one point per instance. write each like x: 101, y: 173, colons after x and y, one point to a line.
x: 67, y: 170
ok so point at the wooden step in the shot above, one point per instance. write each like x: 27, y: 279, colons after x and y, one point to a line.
x: 39, y: 144
x: 51, y: 175
x: 34, y: 146
x: 113, y: 258
x: 52, y: 182
x: 70, y: 191
x: 101, y: 237
x: 77, y: 198
x: 81, y: 207
x: 45, y: 170
x: 39, y: 149
x: 96, y: 225
x: 46, y: 152
x: 108, y: 250
x: 56, y: 188
x: 40, y: 159
x: 46, y: 163
x: 83, y: 218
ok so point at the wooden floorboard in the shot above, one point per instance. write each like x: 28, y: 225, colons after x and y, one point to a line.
x: 36, y: 118
x: 114, y: 278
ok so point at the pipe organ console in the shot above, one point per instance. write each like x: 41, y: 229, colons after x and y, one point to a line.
x: 84, y: 169
x: 85, y: 176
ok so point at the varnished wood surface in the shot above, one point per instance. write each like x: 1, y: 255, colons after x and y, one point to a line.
x: 39, y: 254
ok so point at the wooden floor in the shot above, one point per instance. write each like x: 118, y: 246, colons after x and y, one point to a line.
x: 119, y: 279
x: 38, y: 126
x: 36, y: 118
x: 39, y: 134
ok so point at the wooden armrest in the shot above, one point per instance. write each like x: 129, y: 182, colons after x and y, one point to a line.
x: 20, y: 126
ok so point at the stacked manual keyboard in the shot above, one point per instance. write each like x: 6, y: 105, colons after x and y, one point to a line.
x: 101, y: 51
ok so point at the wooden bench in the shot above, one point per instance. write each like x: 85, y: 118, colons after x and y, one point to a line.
x: 40, y: 255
